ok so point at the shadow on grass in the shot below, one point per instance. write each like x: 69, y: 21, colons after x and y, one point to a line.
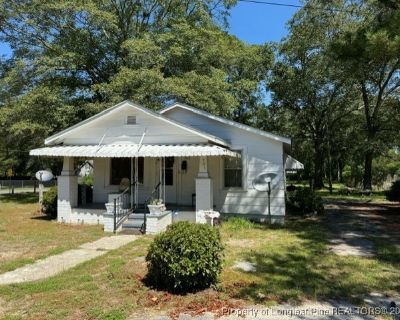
x: 386, y: 251
x: 44, y: 218
x: 307, y: 270
x: 19, y: 198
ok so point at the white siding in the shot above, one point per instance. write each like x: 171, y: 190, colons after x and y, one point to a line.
x: 260, y: 155
x: 101, y: 180
x: 115, y: 130
x: 180, y: 193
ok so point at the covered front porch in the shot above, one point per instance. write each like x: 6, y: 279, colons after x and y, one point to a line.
x: 127, y: 179
x: 93, y: 213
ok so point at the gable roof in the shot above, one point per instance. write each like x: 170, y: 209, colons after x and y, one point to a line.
x: 54, y: 138
x: 228, y: 122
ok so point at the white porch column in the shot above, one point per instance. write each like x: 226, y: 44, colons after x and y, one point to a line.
x: 67, y: 185
x: 204, y: 187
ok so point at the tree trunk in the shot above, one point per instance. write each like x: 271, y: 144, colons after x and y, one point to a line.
x: 368, y: 157
x: 318, y: 166
x: 367, y: 179
x: 330, y: 173
x: 340, y: 171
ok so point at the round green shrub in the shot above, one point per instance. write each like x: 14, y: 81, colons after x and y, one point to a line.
x: 393, y: 194
x: 49, y: 204
x: 185, y: 258
x: 304, y: 201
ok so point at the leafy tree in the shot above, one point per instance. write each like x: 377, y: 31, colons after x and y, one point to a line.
x: 26, y: 122
x: 202, y: 67
x: 81, y: 57
x: 305, y: 81
x: 338, y: 77
x: 386, y: 166
x: 369, y: 54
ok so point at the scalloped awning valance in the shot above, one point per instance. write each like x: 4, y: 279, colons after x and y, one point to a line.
x: 134, y: 150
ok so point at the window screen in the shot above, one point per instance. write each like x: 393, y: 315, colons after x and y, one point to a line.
x: 121, y: 168
x: 233, y: 172
x: 169, y: 171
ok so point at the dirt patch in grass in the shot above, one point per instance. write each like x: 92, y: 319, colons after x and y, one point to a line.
x: 209, y: 301
x: 242, y: 243
x: 367, y: 217
x: 2, y: 307
x: 10, y: 254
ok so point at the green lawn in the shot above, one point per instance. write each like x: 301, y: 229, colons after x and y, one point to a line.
x: 293, y: 265
x: 338, y: 192
x: 27, y: 235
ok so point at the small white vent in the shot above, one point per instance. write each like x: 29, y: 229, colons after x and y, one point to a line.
x: 131, y: 120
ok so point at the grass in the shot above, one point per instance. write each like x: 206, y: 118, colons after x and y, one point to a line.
x: 293, y: 265
x: 104, y: 288
x: 337, y: 193
x: 26, y: 235
x: 376, y: 196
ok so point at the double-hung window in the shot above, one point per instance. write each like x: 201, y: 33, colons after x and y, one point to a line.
x: 233, y: 172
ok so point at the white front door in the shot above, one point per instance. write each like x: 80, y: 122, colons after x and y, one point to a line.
x: 171, y: 180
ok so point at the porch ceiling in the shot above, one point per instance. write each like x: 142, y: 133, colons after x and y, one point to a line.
x: 134, y: 150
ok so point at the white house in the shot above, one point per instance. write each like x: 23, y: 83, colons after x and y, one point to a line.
x: 192, y: 160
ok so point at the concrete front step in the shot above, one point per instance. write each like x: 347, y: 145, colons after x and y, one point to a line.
x: 130, y: 231
x: 137, y: 224
x: 134, y: 221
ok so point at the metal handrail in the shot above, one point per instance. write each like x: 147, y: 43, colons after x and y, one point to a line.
x: 155, y: 189
x: 121, y: 208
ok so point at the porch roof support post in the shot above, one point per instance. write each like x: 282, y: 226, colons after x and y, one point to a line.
x: 131, y: 184
x: 136, y: 178
x: 204, y: 188
x: 160, y: 188
x: 164, y: 179
x: 203, y: 168
x: 67, y: 188
x: 68, y: 167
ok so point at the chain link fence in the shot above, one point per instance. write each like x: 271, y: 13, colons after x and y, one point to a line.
x: 10, y: 186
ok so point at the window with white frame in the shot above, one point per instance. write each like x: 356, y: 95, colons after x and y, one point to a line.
x: 233, y: 169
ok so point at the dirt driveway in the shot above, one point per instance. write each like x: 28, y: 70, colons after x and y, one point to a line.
x: 355, y: 226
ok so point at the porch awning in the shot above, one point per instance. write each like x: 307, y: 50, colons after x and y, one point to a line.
x: 134, y: 150
x: 293, y: 164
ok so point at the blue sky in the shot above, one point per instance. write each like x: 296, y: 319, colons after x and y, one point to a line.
x: 251, y: 22
x: 5, y: 50
x: 257, y: 23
